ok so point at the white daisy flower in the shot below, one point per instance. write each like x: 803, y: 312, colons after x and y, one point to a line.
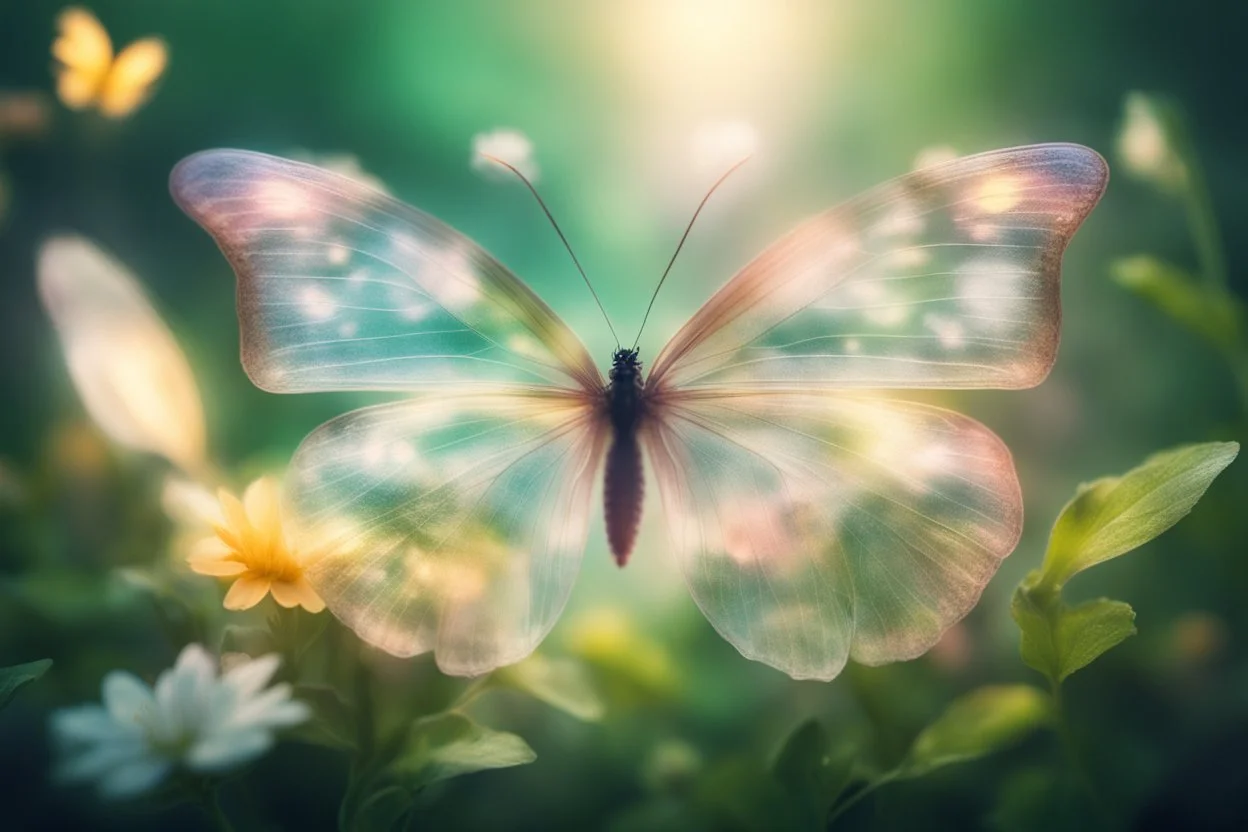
x: 192, y: 718
x: 512, y: 146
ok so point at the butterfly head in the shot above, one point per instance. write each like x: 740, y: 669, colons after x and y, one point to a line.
x: 625, y: 364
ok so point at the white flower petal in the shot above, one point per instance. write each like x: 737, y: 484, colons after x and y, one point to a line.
x: 249, y: 677
x: 227, y: 749
x: 125, y: 696
x: 256, y: 710
x: 134, y: 778
x: 85, y: 724
x: 98, y: 761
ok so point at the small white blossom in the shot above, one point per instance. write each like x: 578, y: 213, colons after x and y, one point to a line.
x: 192, y: 718
x: 512, y: 146
x: 1144, y: 143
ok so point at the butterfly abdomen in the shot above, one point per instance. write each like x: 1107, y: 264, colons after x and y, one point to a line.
x: 622, y: 493
x: 623, y: 485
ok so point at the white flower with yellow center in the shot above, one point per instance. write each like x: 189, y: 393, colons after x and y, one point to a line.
x: 192, y: 718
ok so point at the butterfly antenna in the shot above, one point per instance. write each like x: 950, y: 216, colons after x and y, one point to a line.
x: 564, y: 239
x: 681, y: 244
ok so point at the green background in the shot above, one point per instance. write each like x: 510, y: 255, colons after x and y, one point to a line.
x: 843, y: 95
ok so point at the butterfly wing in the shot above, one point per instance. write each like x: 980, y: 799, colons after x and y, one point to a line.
x: 946, y: 277
x: 341, y: 287
x: 814, y: 525
x: 84, y: 53
x: 129, y: 80
x: 814, y: 528
x: 452, y: 522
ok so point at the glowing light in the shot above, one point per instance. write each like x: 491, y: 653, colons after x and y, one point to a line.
x: 950, y: 333
x: 937, y: 154
x: 998, y: 194
x: 511, y: 146
x: 282, y: 199
x: 129, y: 371
x: 718, y: 145
x: 317, y: 304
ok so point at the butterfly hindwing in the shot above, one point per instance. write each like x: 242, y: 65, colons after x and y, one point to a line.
x: 814, y: 528
x: 449, y: 524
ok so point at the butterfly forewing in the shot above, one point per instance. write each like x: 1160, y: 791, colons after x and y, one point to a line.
x: 814, y: 528
x: 946, y: 277
x: 342, y: 287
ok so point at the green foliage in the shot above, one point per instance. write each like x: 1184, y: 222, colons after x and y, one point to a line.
x: 812, y: 772
x: 333, y: 719
x: 13, y: 679
x: 1113, y: 515
x: 560, y: 683
x: 451, y: 744
x: 1072, y: 639
x: 1106, y: 519
x: 975, y: 725
x: 1207, y: 311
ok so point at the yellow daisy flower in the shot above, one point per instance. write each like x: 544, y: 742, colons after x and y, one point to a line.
x: 250, y: 545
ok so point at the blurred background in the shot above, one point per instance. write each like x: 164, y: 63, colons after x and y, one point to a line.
x: 633, y: 109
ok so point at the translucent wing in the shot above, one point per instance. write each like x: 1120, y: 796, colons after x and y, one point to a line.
x: 945, y: 277
x: 133, y: 378
x: 84, y: 53
x: 813, y: 528
x: 129, y: 81
x: 343, y: 288
x: 453, y: 524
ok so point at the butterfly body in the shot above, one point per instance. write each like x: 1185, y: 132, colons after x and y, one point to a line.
x: 816, y: 517
x: 623, y: 480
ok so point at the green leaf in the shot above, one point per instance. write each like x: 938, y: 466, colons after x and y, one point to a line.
x: 13, y: 679
x: 333, y: 720
x: 560, y: 683
x: 383, y: 809
x: 1086, y: 631
x: 1213, y: 315
x: 449, y: 745
x: 977, y: 724
x: 1059, y: 639
x: 1114, y: 515
x: 811, y: 772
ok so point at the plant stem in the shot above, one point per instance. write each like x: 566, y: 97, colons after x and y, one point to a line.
x: 853, y: 800
x: 1203, y: 224
x: 211, y: 799
x: 1075, y: 760
x: 365, y: 716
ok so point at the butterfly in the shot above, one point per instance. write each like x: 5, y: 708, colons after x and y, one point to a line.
x: 88, y: 74
x: 815, y: 520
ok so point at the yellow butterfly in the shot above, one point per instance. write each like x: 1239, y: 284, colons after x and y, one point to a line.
x: 88, y: 73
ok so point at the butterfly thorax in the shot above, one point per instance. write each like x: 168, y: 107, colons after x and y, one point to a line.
x: 623, y: 483
x: 624, y: 392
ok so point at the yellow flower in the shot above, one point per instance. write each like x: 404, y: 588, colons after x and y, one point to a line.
x: 250, y: 545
